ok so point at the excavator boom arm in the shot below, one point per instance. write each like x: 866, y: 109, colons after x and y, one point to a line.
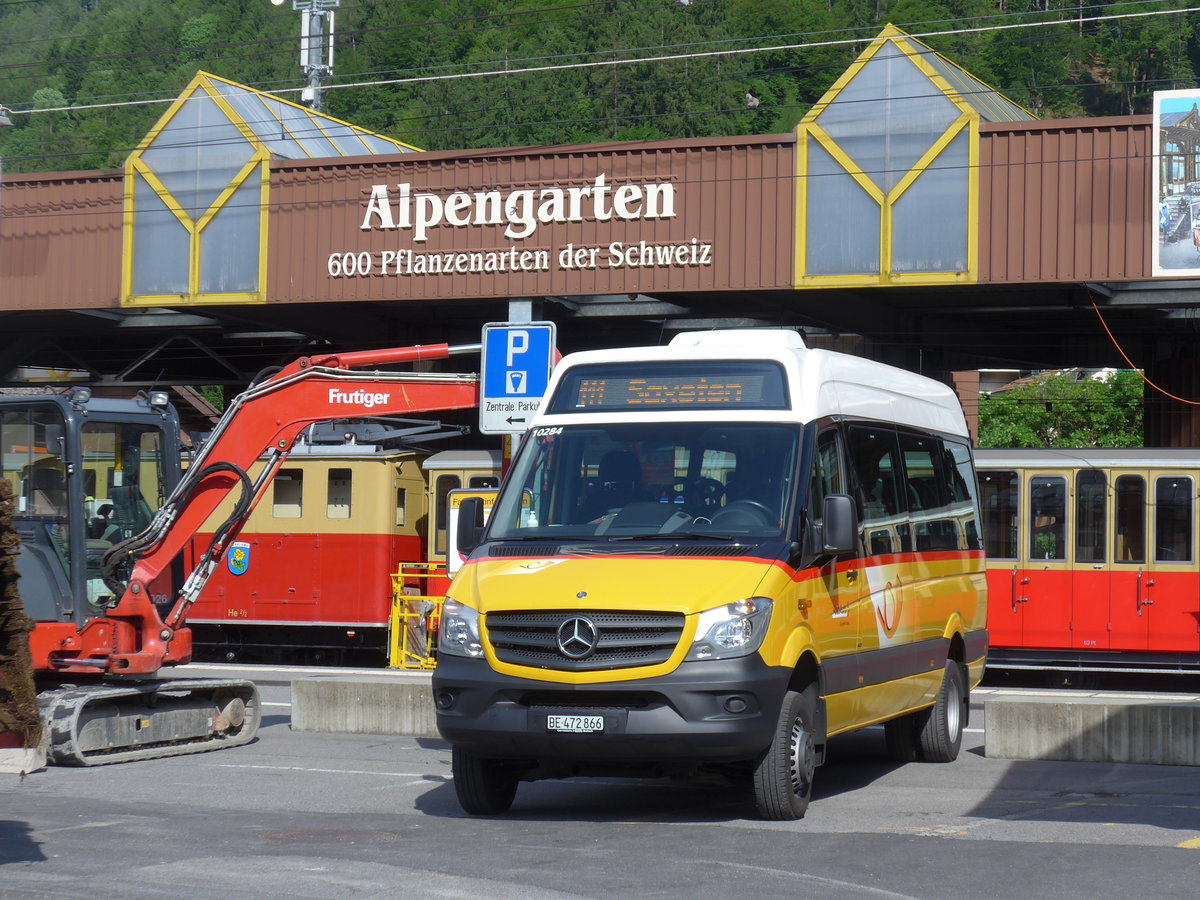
x: 265, y: 419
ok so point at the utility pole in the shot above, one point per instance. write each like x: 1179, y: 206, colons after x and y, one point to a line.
x: 316, y: 45
x: 4, y: 120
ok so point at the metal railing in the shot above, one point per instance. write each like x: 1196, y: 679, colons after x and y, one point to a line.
x: 415, y: 617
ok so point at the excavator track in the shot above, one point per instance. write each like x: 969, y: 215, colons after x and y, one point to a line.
x: 99, y: 724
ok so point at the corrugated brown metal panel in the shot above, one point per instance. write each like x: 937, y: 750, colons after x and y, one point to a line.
x: 60, y: 240
x: 1066, y: 200
x: 732, y: 195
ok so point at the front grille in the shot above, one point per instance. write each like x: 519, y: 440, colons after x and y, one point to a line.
x: 624, y: 639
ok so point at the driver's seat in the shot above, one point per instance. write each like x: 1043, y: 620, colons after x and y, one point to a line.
x: 619, y: 482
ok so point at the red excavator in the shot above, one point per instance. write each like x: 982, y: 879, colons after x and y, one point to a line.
x: 104, y: 513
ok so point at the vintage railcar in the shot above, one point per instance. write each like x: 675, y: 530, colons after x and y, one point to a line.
x: 309, y: 577
x: 1092, y: 559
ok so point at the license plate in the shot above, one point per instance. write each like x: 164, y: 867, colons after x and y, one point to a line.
x: 577, y: 724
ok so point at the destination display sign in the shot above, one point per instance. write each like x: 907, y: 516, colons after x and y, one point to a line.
x: 649, y: 386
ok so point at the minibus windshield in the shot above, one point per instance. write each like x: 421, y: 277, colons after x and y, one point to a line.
x: 649, y: 479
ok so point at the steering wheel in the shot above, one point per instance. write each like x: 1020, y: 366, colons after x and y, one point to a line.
x: 749, y: 513
x: 703, y: 492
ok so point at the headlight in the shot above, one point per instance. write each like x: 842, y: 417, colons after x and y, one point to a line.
x: 736, y: 629
x: 459, y: 634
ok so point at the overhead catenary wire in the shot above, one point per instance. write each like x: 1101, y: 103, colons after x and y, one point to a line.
x: 508, y: 71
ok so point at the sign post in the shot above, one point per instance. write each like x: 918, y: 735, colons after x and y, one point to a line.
x: 516, y: 372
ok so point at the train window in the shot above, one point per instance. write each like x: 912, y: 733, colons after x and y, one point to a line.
x: 1048, y: 517
x: 1173, y: 518
x: 998, y: 491
x: 445, y: 484
x: 483, y: 481
x: 1091, y: 496
x: 337, y: 502
x: 288, y: 494
x: 401, y: 505
x: 1131, y: 519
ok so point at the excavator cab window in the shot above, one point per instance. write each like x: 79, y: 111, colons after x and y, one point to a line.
x: 124, y: 461
x: 32, y: 458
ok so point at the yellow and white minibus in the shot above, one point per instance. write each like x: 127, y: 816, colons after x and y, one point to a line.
x: 716, y: 554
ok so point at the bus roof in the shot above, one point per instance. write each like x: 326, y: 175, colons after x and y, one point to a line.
x: 821, y: 382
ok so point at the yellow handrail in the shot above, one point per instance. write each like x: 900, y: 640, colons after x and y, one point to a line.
x: 413, y: 624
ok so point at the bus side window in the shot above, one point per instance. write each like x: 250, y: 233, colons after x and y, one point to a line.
x: 826, y: 474
x: 963, y: 491
x: 875, y: 458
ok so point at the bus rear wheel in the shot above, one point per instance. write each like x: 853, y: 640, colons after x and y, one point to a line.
x: 783, y: 778
x: 941, y: 726
x: 485, y: 787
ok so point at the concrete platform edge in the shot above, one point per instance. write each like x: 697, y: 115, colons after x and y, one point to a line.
x: 1094, y: 729
x: 383, y: 705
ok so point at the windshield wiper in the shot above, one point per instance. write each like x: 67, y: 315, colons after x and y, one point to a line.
x: 673, y: 535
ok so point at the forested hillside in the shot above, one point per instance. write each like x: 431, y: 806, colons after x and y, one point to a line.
x: 469, y: 74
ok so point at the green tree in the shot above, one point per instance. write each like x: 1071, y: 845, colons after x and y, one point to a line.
x: 1065, y: 410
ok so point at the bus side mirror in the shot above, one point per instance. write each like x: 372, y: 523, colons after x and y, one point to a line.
x: 469, y: 531
x: 839, y: 534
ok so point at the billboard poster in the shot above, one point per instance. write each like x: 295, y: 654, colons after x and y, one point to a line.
x: 1176, y: 184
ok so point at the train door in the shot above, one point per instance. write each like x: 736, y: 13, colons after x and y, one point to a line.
x: 1154, y: 601
x: 1000, y: 505
x: 1092, y: 557
x: 1130, y: 584
x: 1169, y: 601
x: 1043, y: 582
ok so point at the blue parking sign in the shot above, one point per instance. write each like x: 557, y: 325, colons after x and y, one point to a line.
x: 517, y: 360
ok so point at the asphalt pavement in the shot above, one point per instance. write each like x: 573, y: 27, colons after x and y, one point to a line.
x: 331, y: 815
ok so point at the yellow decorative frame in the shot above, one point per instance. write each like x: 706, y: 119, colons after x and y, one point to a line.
x: 808, y: 130
x: 260, y: 159
x: 135, y: 168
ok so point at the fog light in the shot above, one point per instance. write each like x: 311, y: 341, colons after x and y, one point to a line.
x: 443, y: 699
x: 736, y: 704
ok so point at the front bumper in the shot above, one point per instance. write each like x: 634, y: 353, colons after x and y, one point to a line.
x: 704, y: 712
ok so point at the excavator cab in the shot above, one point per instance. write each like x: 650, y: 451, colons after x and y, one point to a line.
x: 68, y: 457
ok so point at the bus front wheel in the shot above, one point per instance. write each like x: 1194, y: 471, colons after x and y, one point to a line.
x: 485, y: 787
x: 783, y: 778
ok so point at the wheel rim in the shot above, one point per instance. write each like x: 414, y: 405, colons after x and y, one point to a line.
x: 803, y: 760
x: 954, y: 714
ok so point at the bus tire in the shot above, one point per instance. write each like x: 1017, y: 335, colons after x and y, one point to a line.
x: 783, y: 777
x: 485, y: 787
x: 941, y: 730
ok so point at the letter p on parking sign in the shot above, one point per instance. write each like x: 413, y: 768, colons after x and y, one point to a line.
x: 517, y: 359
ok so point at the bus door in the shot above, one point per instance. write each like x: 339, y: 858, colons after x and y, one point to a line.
x: 1170, y: 602
x: 1000, y: 505
x: 1131, y: 582
x: 1092, y: 558
x: 1043, y: 582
